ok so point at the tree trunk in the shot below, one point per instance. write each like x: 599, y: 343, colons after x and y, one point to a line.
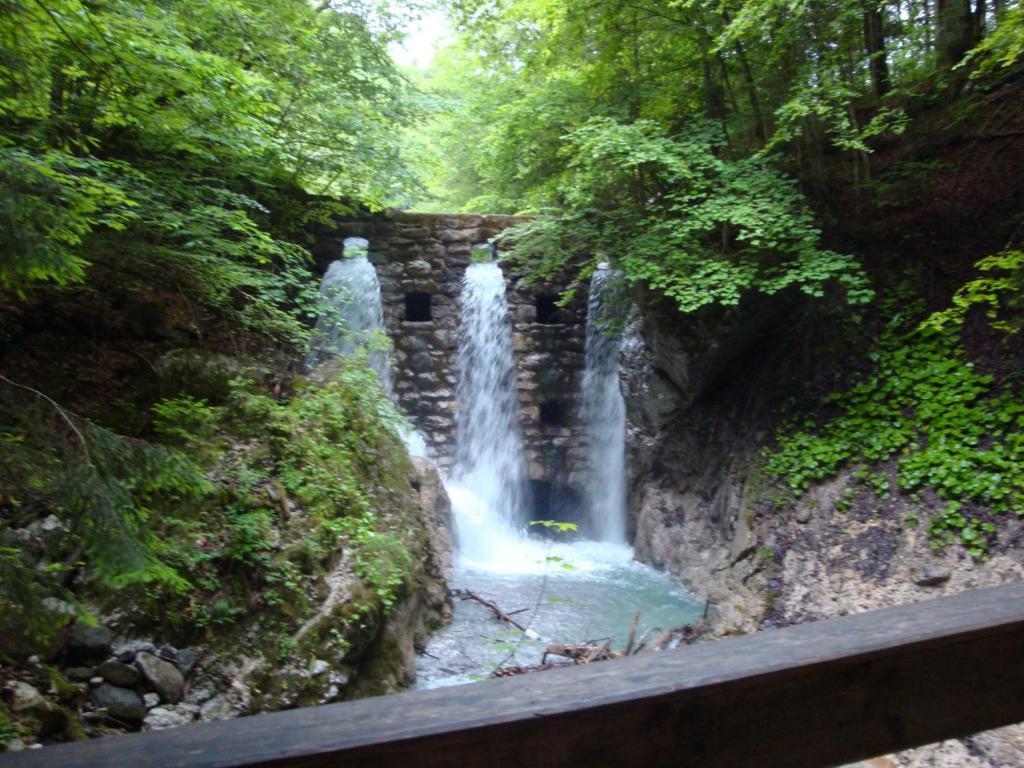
x: 978, y: 22
x: 954, y: 26
x: 755, y: 101
x: 760, y: 124
x: 874, y: 45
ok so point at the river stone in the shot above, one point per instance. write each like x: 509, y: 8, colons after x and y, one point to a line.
x: 120, y: 703
x: 930, y: 575
x: 168, y: 653
x: 126, y: 651
x: 162, y: 676
x: 218, y: 708
x: 172, y: 716
x: 151, y: 700
x: 24, y: 698
x: 187, y: 658
x: 28, y: 704
x: 79, y: 674
x: 88, y: 642
x: 116, y: 673
x: 18, y: 643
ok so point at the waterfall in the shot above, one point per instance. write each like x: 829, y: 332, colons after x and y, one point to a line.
x: 487, y: 485
x: 353, y: 321
x: 604, y: 412
x: 353, y: 316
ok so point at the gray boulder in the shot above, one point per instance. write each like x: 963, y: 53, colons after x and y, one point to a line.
x: 162, y: 676
x: 24, y: 698
x: 187, y: 658
x: 119, y: 703
x: 930, y: 575
x: 88, y: 642
x: 219, y: 708
x: 79, y: 674
x: 171, y: 716
x: 116, y: 673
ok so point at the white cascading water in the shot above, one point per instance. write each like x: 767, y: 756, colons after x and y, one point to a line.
x: 564, y: 591
x: 604, y: 411
x: 353, y: 316
x: 487, y: 483
x: 353, y: 321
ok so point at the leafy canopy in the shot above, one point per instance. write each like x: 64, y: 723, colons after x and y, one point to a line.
x: 582, y: 112
x: 683, y: 220
x: 173, y: 142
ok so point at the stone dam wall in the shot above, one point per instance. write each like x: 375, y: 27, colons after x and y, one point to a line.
x: 420, y: 260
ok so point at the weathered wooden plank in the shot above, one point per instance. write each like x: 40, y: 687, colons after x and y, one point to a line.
x: 813, y: 695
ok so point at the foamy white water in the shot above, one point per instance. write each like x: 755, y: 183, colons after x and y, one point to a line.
x: 604, y: 411
x: 562, y: 591
x: 487, y: 483
x: 416, y: 444
x: 352, y: 319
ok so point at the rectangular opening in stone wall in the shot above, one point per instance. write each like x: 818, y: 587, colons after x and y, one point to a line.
x: 548, y: 311
x: 553, y: 413
x: 417, y: 307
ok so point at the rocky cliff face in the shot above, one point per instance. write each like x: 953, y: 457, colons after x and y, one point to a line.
x: 692, y: 482
x: 338, y: 658
x: 703, y: 397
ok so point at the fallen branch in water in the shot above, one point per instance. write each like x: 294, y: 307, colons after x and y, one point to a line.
x: 582, y: 653
x: 632, y: 634
x: 593, y: 650
x: 673, y: 638
x: 514, y: 671
x: 500, y: 615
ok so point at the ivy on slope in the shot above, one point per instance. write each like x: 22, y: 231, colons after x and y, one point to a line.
x: 948, y: 428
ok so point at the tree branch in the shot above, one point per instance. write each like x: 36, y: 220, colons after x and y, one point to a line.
x: 63, y: 414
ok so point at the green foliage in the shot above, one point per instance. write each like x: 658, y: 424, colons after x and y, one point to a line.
x: 102, y: 486
x: 104, y: 489
x: 765, y: 556
x: 51, y: 203
x: 162, y: 143
x: 187, y: 525
x: 383, y: 561
x: 9, y: 729
x: 333, y: 450
x: 185, y: 420
x: 1002, y: 49
x: 807, y: 80
x: 682, y: 220
x: 999, y: 292
x: 953, y: 524
x: 25, y: 585
x: 925, y: 407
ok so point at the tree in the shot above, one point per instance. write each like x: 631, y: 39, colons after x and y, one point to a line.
x: 163, y: 141
x: 874, y: 45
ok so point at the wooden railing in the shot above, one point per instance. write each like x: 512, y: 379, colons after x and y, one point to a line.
x: 817, y: 694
